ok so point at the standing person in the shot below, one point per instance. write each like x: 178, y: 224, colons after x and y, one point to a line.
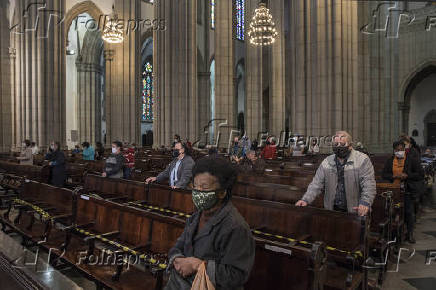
x: 237, y: 152
x: 56, y: 160
x: 99, y: 151
x: 179, y: 171
x: 347, y: 178
x: 26, y: 156
x: 35, y: 149
x: 252, y: 163
x: 177, y: 139
x: 216, y: 236
x: 115, y: 162
x: 88, y: 151
x: 270, y: 149
x: 314, y: 147
x: 406, y: 170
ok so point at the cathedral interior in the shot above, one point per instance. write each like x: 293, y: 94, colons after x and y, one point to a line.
x: 150, y: 74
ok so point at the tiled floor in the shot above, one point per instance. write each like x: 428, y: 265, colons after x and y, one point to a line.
x: 413, y: 273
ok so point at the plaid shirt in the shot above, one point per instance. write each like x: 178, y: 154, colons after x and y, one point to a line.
x: 340, y: 197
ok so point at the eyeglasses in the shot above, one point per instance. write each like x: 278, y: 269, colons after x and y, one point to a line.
x: 340, y: 144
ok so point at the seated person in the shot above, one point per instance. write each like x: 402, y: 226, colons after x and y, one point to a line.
x: 270, y: 149
x: 428, y: 153
x: 76, y: 150
x: 252, y: 163
x: 179, y: 171
x: 237, y: 152
x: 216, y: 234
x: 114, y: 164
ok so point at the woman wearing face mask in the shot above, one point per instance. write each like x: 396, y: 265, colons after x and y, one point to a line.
x: 215, y: 235
x: 56, y: 160
x: 26, y: 156
x: 405, y: 169
x: 114, y: 166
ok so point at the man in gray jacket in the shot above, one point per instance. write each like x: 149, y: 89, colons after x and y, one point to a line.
x: 347, y: 178
x: 179, y: 171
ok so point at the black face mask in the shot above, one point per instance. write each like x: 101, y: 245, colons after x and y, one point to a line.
x: 341, y: 151
x: 176, y: 153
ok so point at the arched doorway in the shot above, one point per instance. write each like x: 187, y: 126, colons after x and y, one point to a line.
x: 85, y: 75
x: 419, y: 107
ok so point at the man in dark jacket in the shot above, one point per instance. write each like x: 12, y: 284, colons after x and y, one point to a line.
x: 56, y: 160
x: 115, y: 162
x: 179, y: 171
x: 406, y: 169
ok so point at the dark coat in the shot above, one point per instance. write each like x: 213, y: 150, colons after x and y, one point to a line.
x: 225, y: 242
x: 57, y: 169
x: 412, y: 167
x: 184, y: 172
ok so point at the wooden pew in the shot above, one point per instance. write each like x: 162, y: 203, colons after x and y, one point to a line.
x: 52, y: 205
x: 109, y: 230
x: 33, y: 172
x: 347, y: 250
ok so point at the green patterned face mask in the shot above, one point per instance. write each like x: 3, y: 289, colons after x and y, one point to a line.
x: 204, y: 200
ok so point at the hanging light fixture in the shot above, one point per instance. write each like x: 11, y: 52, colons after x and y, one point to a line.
x: 262, y: 30
x: 113, y: 31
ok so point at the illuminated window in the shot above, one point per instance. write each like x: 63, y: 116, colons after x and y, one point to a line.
x: 240, y: 19
x: 212, y: 14
x: 147, y: 92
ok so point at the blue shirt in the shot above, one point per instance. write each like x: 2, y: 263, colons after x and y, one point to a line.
x: 88, y: 153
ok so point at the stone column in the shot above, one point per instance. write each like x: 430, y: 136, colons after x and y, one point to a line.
x: 89, y: 102
x: 7, y: 56
x: 40, y: 72
x: 253, y: 65
x: 277, y: 84
x: 175, y: 59
x: 224, y: 67
x: 108, y: 57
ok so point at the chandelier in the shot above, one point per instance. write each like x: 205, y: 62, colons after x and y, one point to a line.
x: 262, y: 30
x: 113, y: 30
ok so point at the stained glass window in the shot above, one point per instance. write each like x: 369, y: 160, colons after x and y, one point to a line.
x: 147, y: 92
x: 212, y: 14
x: 240, y: 19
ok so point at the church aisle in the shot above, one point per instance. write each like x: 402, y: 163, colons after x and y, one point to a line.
x: 413, y: 273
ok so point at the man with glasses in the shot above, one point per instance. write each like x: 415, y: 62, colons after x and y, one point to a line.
x: 347, y: 178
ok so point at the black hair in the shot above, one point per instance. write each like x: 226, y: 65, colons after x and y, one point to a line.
x: 188, y: 150
x: 27, y: 142
x: 85, y: 144
x: 33, y: 143
x: 219, y: 167
x: 397, y: 143
x: 118, y: 144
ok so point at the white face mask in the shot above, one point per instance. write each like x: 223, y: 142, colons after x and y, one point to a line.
x: 114, y: 150
x: 400, y: 154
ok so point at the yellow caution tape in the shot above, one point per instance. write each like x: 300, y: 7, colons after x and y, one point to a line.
x: 37, y: 209
x: 329, y: 248
x: 124, y: 248
x: 159, y: 209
